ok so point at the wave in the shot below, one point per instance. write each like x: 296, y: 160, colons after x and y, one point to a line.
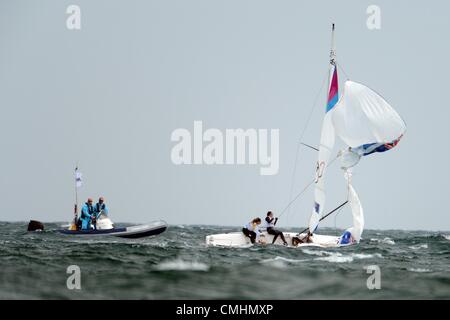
x: 419, y: 270
x: 338, y: 257
x: 367, y: 256
x: 385, y: 240
x: 92, y: 241
x: 446, y: 236
x: 277, y: 258
x: 181, y: 265
x: 317, y: 252
x: 281, y: 262
x: 148, y: 244
x: 419, y: 246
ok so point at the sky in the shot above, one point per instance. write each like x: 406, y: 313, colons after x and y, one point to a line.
x: 108, y: 96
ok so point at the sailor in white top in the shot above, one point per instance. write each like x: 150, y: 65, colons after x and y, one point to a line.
x: 270, y: 223
x: 252, y: 231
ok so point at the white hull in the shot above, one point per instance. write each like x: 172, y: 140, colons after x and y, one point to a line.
x: 238, y: 239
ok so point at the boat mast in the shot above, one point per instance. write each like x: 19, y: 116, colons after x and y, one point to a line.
x: 332, y: 59
x: 75, y: 209
x: 326, y: 141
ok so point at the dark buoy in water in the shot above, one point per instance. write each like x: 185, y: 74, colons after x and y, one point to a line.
x: 35, y: 226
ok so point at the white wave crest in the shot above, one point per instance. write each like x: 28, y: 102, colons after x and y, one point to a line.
x: 366, y: 256
x: 181, y: 265
x: 419, y: 246
x: 283, y: 260
x: 277, y: 262
x: 317, y: 252
x: 385, y: 240
x: 336, y: 258
x: 420, y: 270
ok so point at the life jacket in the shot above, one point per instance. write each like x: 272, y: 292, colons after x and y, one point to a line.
x: 268, y: 224
x: 249, y: 226
x: 253, y: 227
x: 99, y: 207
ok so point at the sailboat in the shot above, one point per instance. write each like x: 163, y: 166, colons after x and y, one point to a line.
x: 367, y: 124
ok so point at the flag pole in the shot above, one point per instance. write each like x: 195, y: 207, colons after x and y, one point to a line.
x: 76, y: 192
x: 78, y: 182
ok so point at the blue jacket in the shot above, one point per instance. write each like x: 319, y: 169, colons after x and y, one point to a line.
x: 86, y: 212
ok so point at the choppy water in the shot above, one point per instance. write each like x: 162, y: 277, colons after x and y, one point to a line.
x: 178, y: 265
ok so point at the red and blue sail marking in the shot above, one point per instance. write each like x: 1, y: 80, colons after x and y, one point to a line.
x: 379, y: 147
x: 333, y: 95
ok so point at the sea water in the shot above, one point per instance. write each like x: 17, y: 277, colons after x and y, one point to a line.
x: 178, y: 265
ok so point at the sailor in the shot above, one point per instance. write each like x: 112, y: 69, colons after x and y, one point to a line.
x: 87, y: 215
x: 252, y: 231
x: 306, y: 239
x: 100, y: 208
x: 270, y: 223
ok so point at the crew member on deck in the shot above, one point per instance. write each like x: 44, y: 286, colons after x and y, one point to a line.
x: 100, y: 208
x: 270, y: 223
x: 306, y: 239
x: 87, y: 214
x: 251, y: 230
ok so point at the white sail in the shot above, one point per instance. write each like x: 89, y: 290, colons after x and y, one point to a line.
x: 363, y: 117
x: 326, y: 146
x: 367, y: 124
x: 353, y: 235
x: 327, y: 140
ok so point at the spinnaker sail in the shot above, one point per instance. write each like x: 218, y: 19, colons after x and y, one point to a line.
x: 353, y: 235
x: 366, y: 123
x: 363, y: 120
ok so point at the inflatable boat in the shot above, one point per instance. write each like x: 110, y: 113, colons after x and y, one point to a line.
x: 105, y: 227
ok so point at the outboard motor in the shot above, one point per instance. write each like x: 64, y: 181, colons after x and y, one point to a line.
x: 35, y: 226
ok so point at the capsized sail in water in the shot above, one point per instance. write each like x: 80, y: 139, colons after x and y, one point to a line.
x: 367, y: 124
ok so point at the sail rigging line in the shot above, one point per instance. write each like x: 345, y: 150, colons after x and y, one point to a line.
x: 338, y: 208
x: 348, y: 199
x: 342, y: 69
x: 335, y: 217
x: 311, y: 111
x: 304, y: 189
x: 309, y: 146
x: 349, y: 175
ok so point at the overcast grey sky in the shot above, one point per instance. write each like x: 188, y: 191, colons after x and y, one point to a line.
x: 108, y: 96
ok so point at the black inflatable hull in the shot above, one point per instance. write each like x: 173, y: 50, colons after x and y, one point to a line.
x: 134, y: 232
x: 34, y: 225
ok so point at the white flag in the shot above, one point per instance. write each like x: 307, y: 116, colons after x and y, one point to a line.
x: 78, y: 180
